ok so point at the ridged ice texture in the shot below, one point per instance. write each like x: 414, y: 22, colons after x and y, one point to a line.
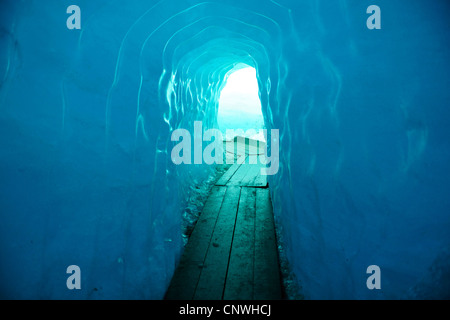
x: 86, y: 118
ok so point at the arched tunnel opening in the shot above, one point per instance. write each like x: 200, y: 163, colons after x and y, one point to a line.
x: 239, y: 104
x: 87, y: 118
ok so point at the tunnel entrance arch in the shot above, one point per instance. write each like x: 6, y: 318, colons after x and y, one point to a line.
x: 240, y: 105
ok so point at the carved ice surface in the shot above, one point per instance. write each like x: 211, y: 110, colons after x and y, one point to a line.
x: 86, y: 115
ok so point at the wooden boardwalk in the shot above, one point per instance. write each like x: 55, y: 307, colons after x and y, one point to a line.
x: 232, y: 252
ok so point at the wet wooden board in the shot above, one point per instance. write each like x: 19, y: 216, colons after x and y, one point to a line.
x: 214, y: 271
x: 253, y: 178
x: 185, y: 279
x: 239, y: 284
x: 246, y: 174
x: 230, y: 172
x: 266, y: 268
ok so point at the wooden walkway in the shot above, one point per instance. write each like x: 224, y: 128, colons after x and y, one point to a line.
x: 232, y: 252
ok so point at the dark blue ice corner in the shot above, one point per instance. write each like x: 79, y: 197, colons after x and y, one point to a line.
x: 87, y: 112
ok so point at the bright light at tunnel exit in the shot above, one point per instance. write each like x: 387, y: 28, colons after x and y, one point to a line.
x: 239, y: 104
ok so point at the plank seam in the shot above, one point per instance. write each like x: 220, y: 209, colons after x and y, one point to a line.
x: 254, y: 245
x: 232, y: 239
x: 210, y: 239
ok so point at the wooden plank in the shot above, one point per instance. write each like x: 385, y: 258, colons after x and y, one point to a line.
x: 254, y: 177
x: 230, y: 172
x: 249, y: 178
x: 260, y: 180
x: 266, y: 266
x: 212, y: 279
x: 239, y: 281
x: 184, y: 281
x: 188, y: 271
x: 248, y: 175
x: 238, y: 178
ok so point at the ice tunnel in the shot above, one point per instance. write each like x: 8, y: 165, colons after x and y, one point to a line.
x: 86, y: 117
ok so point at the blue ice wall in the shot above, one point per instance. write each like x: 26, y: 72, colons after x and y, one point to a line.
x: 86, y: 117
x: 365, y: 153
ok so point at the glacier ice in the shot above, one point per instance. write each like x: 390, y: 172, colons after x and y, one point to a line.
x: 86, y: 117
